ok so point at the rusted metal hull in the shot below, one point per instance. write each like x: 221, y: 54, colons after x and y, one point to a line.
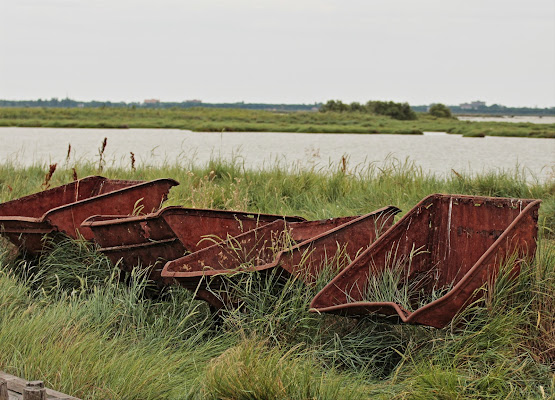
x: 26, y: 233
x: 153, y: 239
x: 257, y: 250
x: 25, y: 221
x: 461, y: 240
x: 21, y: 219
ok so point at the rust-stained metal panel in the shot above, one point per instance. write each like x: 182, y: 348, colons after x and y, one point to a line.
x: 26, y: 220
x: 246, y: 250
x: 151, y: 255
x: 144, y: 197
x: 195, y: 228
x: 170, y: 233
x: 457, y: 240
x: 340, y: 243
x: 275, y: 244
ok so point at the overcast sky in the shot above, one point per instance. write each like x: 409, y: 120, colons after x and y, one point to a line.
x: 280, y: 51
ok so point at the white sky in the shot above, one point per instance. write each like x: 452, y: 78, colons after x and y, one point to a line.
x: 290, y: 51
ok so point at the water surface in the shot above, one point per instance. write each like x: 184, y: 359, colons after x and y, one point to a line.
x: 435, y: 152
x: 510, y: 118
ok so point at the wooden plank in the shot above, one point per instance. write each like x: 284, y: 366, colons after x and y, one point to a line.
x: 17, y: 385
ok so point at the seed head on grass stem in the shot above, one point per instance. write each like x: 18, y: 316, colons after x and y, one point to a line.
x: 46, y: 184
x: 101, y: 150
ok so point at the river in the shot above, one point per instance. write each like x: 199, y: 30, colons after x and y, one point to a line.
x: 434, y: 152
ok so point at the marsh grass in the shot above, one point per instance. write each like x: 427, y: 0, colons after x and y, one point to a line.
x: 396, y: 283
x: 237, y: 120
x: 268, y: 372
x: 70, y: 265
x: 263, y: 249
x: 97, y: 334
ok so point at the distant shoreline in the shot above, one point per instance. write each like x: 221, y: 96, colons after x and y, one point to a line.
x: 242, y: 120
x: 477, y: 108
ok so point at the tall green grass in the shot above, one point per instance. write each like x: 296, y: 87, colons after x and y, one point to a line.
x: 86, y: 328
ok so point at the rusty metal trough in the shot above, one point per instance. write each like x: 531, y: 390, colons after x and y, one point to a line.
x: 26, y: 220
x: 300, y: 248
x: 461, y: 241
x: 153, y: 239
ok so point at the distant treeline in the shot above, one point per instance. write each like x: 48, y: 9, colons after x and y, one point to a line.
x: 400, y: 111
x: 396, y: 110
x: 69, y: 103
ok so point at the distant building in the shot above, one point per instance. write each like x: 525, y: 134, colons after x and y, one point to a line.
x: 193, y: 101
x: 151, y: 101
x: 475, y: 105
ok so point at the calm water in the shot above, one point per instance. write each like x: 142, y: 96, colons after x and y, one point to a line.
x: 515, y: 119
x: 435, y: 152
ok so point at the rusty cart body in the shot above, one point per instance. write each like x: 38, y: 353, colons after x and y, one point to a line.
x: 25, y: 221
x: 300, y: 248
x: 153, y: 239
x: 457, y: 241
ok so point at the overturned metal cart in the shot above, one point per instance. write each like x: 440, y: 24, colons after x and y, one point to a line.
x: 300, y: 248
x: 452, y: 243
x: 153, y: 239
x: 25, y: 221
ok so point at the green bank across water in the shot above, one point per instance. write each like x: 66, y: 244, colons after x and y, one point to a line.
x: 237, y: 120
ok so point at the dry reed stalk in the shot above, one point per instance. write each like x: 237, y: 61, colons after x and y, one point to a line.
x: 46, y: 184
x: 101, y: 154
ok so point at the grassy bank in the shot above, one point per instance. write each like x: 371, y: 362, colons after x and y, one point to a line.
x: 235, y: 120
x: 67, y: 318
